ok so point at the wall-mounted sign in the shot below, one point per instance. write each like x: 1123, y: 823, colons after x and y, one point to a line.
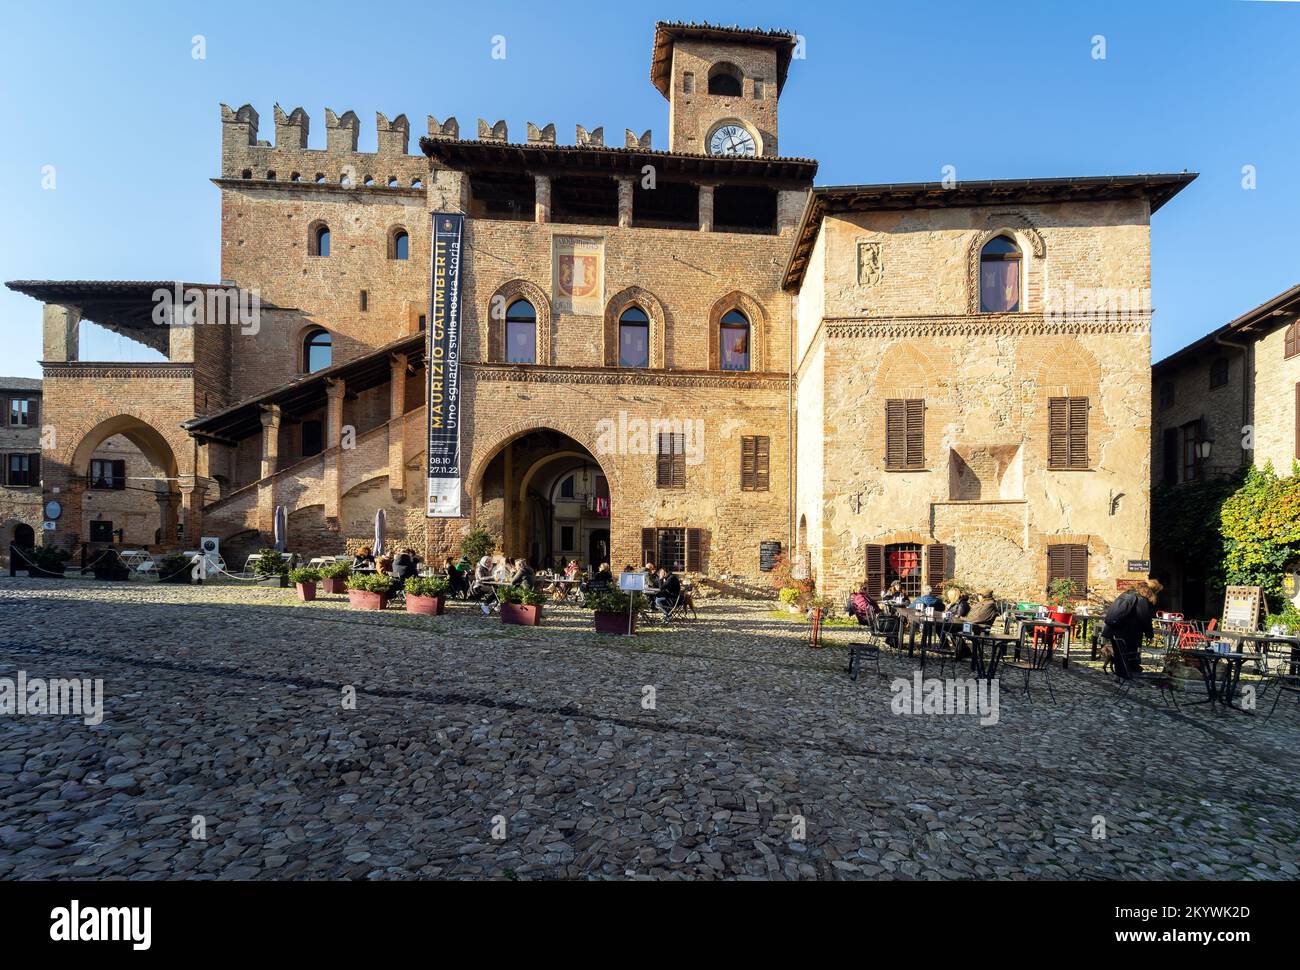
x: 578, y: 275
x: 53, y: 509
x: 442, y: 366
x: 1139, y: 565
x: 767, y: 554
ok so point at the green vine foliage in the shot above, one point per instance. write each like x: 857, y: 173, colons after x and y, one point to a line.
x: 1261, y: 532
x: 1186, y: 523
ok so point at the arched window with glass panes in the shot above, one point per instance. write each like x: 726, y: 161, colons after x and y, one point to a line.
x: 1000, y: 276
x: 521, y: 333
x: 733, y: 341
x: 317, y: 350
x: 633, y: 338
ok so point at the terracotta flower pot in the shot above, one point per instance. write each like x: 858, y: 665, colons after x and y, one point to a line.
x: 521, y: 615
x: 306, y: 591
x: 615, y: 623
x: 361, y: 599
x: 431, y: 605
x: 336, y: 586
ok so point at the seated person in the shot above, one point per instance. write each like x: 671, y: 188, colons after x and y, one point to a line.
x: 895, y: 595
x: 959, y: 605
x: 384, y: 567
x: 503, y: 570
x: 651, y: 576
x: 406, y: 565
x: 572, y: 570
x: 668, y: 589
x: 457, y: 581
x: 983, y: 611
x: 522, y: 575
x: 927, y: 599
x: 603, y: 575
x: 364, y: 559
x: 862, y: 606
x: 482, y: 573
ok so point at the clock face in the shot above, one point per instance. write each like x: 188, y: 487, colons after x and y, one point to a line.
x: 732, y: 140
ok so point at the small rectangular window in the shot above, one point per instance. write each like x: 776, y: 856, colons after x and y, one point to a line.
x: 1067, y: 428
x: 1166, y: 395
x: 904, y: 434
x: 365, y: 301
x: 688, y: 82
x: 1219, y: 373
x: 20, y: 412
x: 1069, y: 561
x: 108, y: 474
x: 18, y: 470
x: 758, y: 89
x: 754, y: 451
x: 1191, y: 437
x: 566, y: 538
x: 670, y: 461
x: 101, y: 531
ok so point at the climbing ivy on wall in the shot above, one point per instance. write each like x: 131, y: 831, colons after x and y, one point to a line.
x: 1260, y: 525
x: 1186, y: 522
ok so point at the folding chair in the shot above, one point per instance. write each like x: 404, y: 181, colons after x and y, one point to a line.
x: 1142, y: 678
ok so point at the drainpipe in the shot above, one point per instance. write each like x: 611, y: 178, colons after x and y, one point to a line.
x: 1246, y: 382
x: 791, y: 549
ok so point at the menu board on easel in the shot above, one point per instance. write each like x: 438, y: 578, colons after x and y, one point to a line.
x: 1241, y: 608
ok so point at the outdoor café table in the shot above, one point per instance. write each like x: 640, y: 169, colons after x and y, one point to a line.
x: 929, y: 627
x: 1085, y: 622
x: 1062, y: 650
x: 986, y: 650
x: 564, y: 587
x: 1258, y: 640
x: 1221, y: 694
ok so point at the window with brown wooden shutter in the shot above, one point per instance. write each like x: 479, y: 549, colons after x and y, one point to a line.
x: 694, y: 550
x: 670, y: 467
x: 754, y: 450
x: 904, y: 434
x: 1297, y: 421
x: 1069, y: 561
x: 1292, y: 340
x: 936, y: 566
x: 1067, y: 430
x: 875, y: 570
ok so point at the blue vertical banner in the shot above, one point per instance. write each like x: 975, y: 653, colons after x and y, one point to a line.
x: 442, y: 365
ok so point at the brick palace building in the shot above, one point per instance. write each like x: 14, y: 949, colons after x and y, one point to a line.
x: 673, y: 355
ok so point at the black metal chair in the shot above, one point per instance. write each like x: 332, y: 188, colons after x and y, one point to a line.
x: 1130, y: 679
x: 888, y: 629
x: 1033, y: 657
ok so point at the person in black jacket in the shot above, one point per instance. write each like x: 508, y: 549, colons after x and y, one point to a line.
x: 669, y: 590
x: 1128, y: 623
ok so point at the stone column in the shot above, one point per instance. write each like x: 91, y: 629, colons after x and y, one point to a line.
x: 270, y: 439
x: 334, y: 391
x: 508, y: 502
x: 397, y: 428
x: 542, y: 208
x: 61, y: 326
x: 625, y: 186
x: 706, y: 208
x: 192, y: 502
x: 167, y: 504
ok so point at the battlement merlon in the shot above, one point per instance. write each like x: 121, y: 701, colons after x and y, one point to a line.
x: 243, y: 155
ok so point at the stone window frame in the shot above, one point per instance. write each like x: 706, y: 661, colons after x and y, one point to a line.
x: 756, y: 314
x: 393, y: 233
x: 1033, y: 250
x: 650, y: 305
x: 313, y: 238
x: 495, y: 331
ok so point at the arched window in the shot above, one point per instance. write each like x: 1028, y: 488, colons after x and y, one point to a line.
x: 521, y: 333
x: 1292, y: 341
x: 399, y: 245
x: 320, y: 239
x: 725, y: 79
x: 633, y: 338
x: 1000, y: 276
x: 733, y: 341
x: 317, y: 350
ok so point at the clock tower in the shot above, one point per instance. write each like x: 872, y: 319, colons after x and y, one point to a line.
x: 722, y: 86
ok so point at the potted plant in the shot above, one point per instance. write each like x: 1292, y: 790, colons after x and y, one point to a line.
x: 305, y: 580
x: 790, y: 597
x: 109, y: 566
x: 334, y: 577
x: 45, y: 562
x: 271, y: 568
x: 175, y: 567
x: 615, y: 611
x: 427, y: 595
x: 477, y: 543
x: 522, y: 607
x: 369, y: 591
x: 1061, y: 594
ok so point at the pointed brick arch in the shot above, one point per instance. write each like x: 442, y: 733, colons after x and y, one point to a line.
x: 506, y: 294
x: 652, y: 307
x: 757, y: 317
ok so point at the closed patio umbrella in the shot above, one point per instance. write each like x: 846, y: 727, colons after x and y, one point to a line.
x: 380, y: 528
x: 281, y: 528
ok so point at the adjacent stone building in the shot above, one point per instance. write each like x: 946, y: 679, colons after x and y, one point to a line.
x: 20, y: 463
x: 669, y: 355
x: 1226, y: 401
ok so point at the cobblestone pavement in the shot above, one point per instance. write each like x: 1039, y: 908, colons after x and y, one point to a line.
x: 227, y: 703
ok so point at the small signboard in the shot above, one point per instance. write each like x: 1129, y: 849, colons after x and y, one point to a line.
x: 631, y: 582
x: 1241, y: 608
x: 768, y: 551
x: 1139, y: 565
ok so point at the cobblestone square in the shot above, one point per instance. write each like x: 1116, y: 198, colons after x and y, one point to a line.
x: 228, y: 703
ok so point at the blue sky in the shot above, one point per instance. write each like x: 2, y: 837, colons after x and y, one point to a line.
x: 109, y: 94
